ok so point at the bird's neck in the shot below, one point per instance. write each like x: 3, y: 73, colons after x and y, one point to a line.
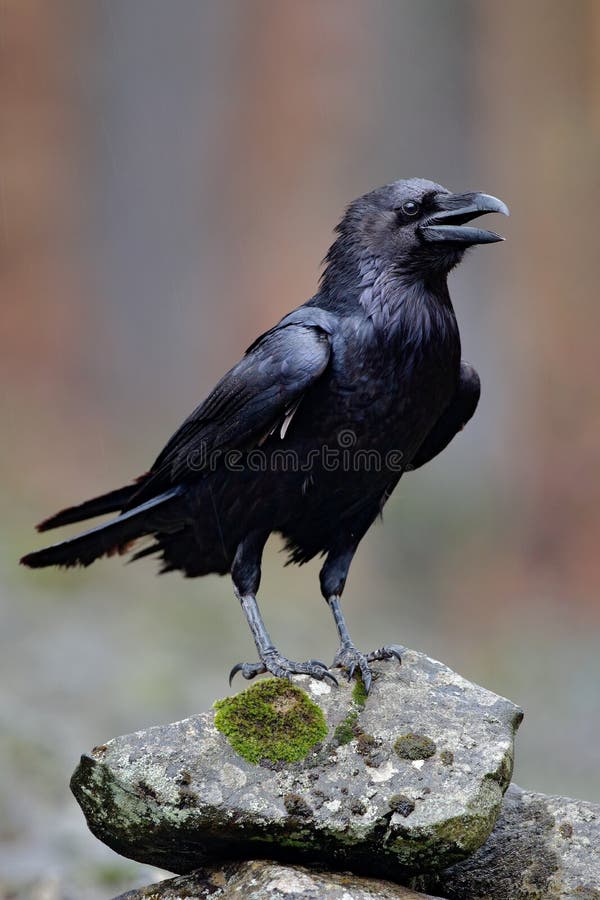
x: 392, y: 299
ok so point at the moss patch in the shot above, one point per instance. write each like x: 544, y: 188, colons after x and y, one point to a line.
x: 414, y: 746
x: 359, y: 692
x: 273, y: 720
x: 346, y: 730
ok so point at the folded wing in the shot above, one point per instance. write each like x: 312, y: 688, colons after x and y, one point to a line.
x: 258, y: 395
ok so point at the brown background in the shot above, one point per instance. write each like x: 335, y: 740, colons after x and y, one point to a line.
x: 169, y: 177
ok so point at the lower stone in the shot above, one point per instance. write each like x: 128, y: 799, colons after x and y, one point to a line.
x: 542, y: 848
x: 265, y: 880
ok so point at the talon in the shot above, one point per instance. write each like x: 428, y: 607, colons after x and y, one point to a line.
x: 272, y: 661
x: 237, y: 668
x: 391, y: 652
x: 248, y: 670
x: 367, y: 680
x: 320, y: 671
x: 353, y: 663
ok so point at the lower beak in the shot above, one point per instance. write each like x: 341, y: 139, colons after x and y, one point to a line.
x: 448, y: 225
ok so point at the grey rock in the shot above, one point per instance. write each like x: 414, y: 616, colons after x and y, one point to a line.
x: 266, y: 880
x: 178, y: 796
x: 542, y: 848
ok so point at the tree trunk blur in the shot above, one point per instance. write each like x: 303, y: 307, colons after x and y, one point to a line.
x: 41, y: 316
x: 540, y: 100
x: 303, y: 86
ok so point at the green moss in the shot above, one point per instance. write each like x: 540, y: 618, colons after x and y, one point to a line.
x: 273, y: 720
x: 345, y: 731
x: 359, y: 692
x: 414, y: 746
x: 348, y: 729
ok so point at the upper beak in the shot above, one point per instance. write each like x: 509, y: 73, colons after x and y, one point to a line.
x: 447, y: 225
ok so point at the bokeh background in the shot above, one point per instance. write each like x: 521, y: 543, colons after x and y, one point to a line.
x: 170, y: 173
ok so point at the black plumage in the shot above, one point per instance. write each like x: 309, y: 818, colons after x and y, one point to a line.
x: 311, y: 431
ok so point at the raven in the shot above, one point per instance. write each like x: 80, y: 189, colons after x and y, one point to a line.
x: 311, y: 431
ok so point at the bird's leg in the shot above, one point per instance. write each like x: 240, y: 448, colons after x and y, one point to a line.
x: 333, y: 578
x: 245, y: 573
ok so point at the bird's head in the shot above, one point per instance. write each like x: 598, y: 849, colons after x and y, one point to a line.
x: 416, y: 226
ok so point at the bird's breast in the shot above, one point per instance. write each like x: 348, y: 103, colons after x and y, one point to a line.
x: 389, y: 389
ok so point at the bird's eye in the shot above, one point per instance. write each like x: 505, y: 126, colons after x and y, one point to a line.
x: 410, y: 207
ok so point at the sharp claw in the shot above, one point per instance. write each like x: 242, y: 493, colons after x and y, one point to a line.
x: 237, y: 668
x: 248, y: 670
x: 367, y: 679
x: 391, y: 652
x: 329, y: 676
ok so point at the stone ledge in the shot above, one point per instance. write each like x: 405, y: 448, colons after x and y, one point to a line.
x: 409, y: 781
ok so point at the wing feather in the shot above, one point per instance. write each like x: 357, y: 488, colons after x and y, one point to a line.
x: 258, y: 395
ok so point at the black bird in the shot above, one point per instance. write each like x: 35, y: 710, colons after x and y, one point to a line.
x: 310, y: 432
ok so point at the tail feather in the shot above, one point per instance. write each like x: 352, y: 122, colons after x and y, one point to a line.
x: 115, y: 536
x: 114, y: 501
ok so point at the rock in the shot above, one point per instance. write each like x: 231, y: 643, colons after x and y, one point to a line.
x: 407, y: 780
x: 265, y: 880
x: 542, y: 848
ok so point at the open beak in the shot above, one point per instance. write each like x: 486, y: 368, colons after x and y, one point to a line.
x: 448, y: 225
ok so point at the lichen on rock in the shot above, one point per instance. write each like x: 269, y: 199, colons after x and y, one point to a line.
x: 273, y: 720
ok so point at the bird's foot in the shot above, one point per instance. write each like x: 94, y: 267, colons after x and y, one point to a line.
x: 272, y: 661
x: 354, y: 662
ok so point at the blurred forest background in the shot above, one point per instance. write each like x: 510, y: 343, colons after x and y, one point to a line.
x: 170, y: 174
